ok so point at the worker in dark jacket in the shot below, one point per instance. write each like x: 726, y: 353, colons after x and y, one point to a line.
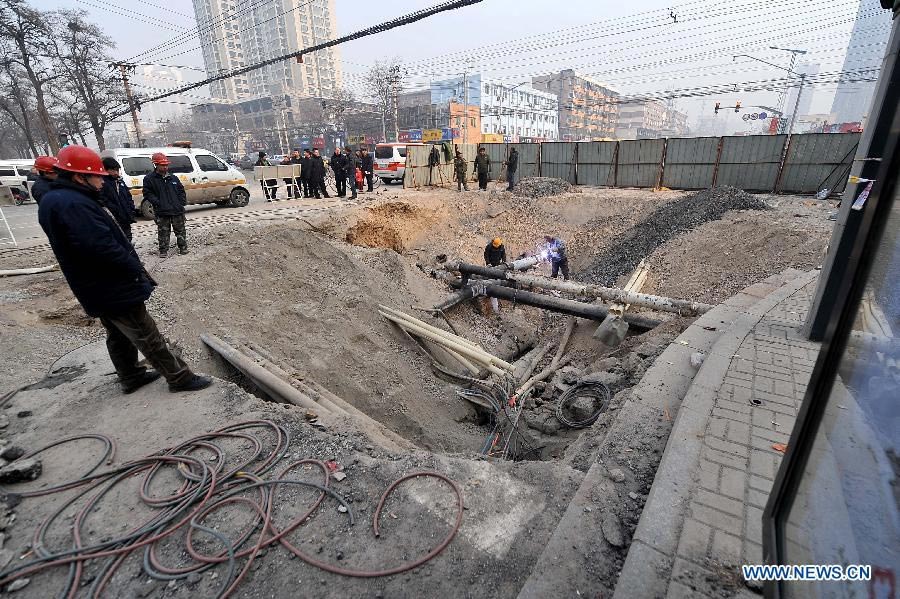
x: 269, y: 186
x: 495, y: 253
x: 306, y: 175
x: 512, y: 165
x: 44, y: 165
x: 295, y: 182
x: 338, y: 163
x: 353, y: 162
x: 318, y: 174
x: 459, y: 168
x: 117, y: 196
x: 482, y: 168
x: 559, y: 258
x: 106, y: 275
x: 167, y: 196
x: 367, y: 164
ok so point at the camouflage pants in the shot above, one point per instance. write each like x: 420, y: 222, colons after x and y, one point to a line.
x: 164, y: 226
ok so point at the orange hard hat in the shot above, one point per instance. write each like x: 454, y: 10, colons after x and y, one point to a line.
x: 497, y: 242
x: 79, y: 159
x: 159, y: 158
x: 45, y: 164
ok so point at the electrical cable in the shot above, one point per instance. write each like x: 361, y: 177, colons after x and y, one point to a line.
x: 205, y: 489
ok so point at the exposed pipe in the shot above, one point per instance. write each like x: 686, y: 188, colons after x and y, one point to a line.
x: 609, y: 294
x: 28, y: 271
x: 270, y: 383
x: 431, y: 328
x: 565, y: 306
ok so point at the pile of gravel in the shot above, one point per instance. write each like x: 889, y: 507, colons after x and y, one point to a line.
x: 675, y: 218
x: 542, y: 187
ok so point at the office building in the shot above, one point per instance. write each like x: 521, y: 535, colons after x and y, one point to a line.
x: 586, y: 108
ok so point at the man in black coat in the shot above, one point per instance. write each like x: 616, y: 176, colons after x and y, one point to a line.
x: 512, y: 165
x: 318, y: 174
x: 106, y: 275
x: 269, y: 186
x: 46, y: 174
x: 367, y: 164
x: 117, y: 196
x: 338, y: 163
x: 495, y: 253
x: 295, y: 182
x: 305, y: 174
x: 167, y: 196
x: 353, y: 163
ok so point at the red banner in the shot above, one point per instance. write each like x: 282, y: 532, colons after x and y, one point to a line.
x: 403, y: 136
x: 318, y: 142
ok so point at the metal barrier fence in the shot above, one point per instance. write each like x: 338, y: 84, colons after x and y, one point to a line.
x: 801, y: 163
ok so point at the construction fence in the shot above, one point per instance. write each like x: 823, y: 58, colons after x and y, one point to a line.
x: 804, y: 163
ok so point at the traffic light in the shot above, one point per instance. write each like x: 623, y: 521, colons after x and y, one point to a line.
x: 717, y: 107
x: 737, y: 106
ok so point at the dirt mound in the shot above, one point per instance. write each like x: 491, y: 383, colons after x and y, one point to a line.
x: 627, y: 250
x: 542, y: 187
x: 394, y: 226
x: 313, y: 303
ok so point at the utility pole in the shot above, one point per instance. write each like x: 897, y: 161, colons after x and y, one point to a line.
x: 465, y: 107
x: 783, y: 95
x: 797, y: 102
x: 395, y: 89
x: 237, y: 129
x: 124, y: 69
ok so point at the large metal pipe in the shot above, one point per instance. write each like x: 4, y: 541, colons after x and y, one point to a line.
x: 566, y: 306
x: 270, y: 383
x: 608, y: 294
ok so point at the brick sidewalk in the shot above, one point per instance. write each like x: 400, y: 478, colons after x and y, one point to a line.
x: 703, y: 515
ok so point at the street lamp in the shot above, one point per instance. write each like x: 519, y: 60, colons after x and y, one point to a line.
x: 791, y: 71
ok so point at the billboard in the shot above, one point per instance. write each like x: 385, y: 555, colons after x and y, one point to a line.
x: 432, y: 135
x: 415, y: 135
x: 492, y: 138
x: 403, y: 136
x: 318, y: 142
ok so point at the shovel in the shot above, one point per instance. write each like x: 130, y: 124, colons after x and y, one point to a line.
x: 613, y: 329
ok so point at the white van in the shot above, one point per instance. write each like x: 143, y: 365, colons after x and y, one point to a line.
x: 390, y: 160
x: 14, y: 174
x: 207, y: 179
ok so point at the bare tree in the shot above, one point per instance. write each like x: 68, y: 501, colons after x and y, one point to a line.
x: 82, y: 51
x: 16, y: 103
x: 383, y: 84
x: 24, y: 37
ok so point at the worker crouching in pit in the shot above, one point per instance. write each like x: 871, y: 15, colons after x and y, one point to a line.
x: 495, y: 255
x: 559, y: 259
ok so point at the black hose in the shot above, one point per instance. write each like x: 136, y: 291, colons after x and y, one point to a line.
x: 593, y: 389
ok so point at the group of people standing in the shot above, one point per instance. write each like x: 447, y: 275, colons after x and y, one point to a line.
x: 482, y: 169
x: 344, y: 165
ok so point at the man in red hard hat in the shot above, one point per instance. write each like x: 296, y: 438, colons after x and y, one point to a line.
x: 105, y: 273
x: 167, y: 196
x: 45, y: 175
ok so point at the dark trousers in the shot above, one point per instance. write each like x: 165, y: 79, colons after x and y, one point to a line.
x: 164, y: 226
x: 136, y: 330
x: 320, y: 187
x: 511, y: 179
x: 270, y: 188
x: 340, y: 182
x: 305, y: 184
x: 291, y: 188
x: 368, y: 177
x: 482, y: 180
x: 351, y: 184
x: 557, y: 266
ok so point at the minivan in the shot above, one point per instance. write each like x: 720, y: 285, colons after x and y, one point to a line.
x: 14, y: 174
x: 390, y: 161
x: 207, y: 179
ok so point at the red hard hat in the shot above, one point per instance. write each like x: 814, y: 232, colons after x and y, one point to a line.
x: 159, y: 158
x: 79, y: 159
x: 45, y: 163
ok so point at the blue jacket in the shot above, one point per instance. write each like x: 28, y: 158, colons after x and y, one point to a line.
x: 40, y: 187
x: 117, y: 198
x: 166, y: 194
x: 99, y: 263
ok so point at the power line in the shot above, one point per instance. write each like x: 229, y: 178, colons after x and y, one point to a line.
x: 379, y: 28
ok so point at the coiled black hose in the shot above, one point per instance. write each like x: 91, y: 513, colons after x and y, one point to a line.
x: 595, y: 390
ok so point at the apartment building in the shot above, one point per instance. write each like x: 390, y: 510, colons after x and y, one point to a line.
x: 237, y: 33
x: 587, y: 108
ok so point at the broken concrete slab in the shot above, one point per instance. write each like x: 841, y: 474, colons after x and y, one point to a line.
x: 21, y: 471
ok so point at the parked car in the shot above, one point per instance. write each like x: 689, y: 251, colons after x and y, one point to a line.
x: 14, y: 174
x: 390, y: 161
x: 246, y: 163
x: 207, y: 179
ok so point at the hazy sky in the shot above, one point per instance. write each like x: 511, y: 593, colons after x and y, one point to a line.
x: 635, y: 47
